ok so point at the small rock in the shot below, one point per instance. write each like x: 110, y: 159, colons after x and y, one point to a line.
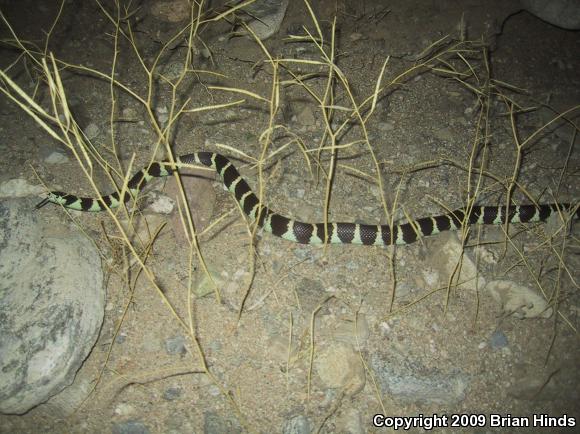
x: 444, y: 134
x: 297, y: 425
x: 162, y: 204
x: 175, y: 345
x: 469, y: 275
x: 340, y: 367
x: 19, y: 187
x: 205, y: 285
x: 130, y: 427
x: 387, y: 126
x: 124, y: 409
x: 268, y: 16
x: 519, y: 300
x: 92, y: 131
x: 410, y: 381
x: 353, y: 333
x: 56, y: 158
x: 172, y: 11
x: 214, y: 423
x: 305, y: 116
x: 172, y: 393
x: 162, y: 114
x: 351, y: 422
x: 498, y: 340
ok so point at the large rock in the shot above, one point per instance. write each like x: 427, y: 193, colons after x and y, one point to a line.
x: 51, y: 305
x: 561, y: 13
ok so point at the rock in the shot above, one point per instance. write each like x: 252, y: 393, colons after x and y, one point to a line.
x: 268, y: 16
x: 340, y: 367
x: 51, y: 305
x: 172, y: 11
x: 297, y: 425
x: 444, y: 134
x: 466, y: 273
x: 305, y: 116
x: 18, y: 187
x: 387, y: 126
x: 142, y: 227
x: 205, y: 285
x: 130, y: 427
x: 161, y: 204
x: 412, y: 382
x: 92, y: 131
x: 351, y: 422
x: 498, y: 340
x: 175, y: 345
x: 534, y: 383
x: 172, y: 393
x: 214, y: 423
x: 310, y: 293
x: 561, y: 13
x: 519, y: 300
x: 56, y: 157
x: 349, y: 332
x: 201, y: 199
x: 559, y: 103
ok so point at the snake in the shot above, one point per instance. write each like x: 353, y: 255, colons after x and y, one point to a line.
x: 315, y: 233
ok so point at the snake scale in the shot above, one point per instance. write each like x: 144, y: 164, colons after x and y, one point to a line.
x: 314, y: 233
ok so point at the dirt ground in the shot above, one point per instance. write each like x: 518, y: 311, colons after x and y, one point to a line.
x: 389, y: 312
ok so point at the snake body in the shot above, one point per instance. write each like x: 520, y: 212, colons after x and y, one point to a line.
x: 316, y: 233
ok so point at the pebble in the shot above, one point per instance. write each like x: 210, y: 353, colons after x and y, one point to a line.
x: 56, y: 157
x: 519, y: 300
x: 172, y: 393
x: 162, y: 114
x: 386, y: 126
x: 162, y: 205
x: 124, y: 409
x: 92, y: 130
x: 297, y: 425
x: 130, y: 427
x: 351, y: 422
x: 175, y: 345
x: 214, y: 423
x: 498, y: 340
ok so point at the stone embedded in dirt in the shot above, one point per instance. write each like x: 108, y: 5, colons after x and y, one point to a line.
x: 268, y: 16
x: 519, y: 300
x: 172, y: 11
x: 176, y: 345
x: 214, y: 422
x: 201, y: 199
x: 297, y: 425
x: 410, y: 381
x: 130, y: 427
x: 340, y: 367
x: 498, y: 340
x: 458, y: 263
x: 351, y: 332
x: 19, y: 187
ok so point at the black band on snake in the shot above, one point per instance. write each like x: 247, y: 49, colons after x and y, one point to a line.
x: 314, y: 233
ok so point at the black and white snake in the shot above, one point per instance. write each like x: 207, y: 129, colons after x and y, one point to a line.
x: 314, y: 233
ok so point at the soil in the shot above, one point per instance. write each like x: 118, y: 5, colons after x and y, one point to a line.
x: 259, y: 360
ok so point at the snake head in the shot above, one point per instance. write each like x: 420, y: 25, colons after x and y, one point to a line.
x: 51, y: 197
